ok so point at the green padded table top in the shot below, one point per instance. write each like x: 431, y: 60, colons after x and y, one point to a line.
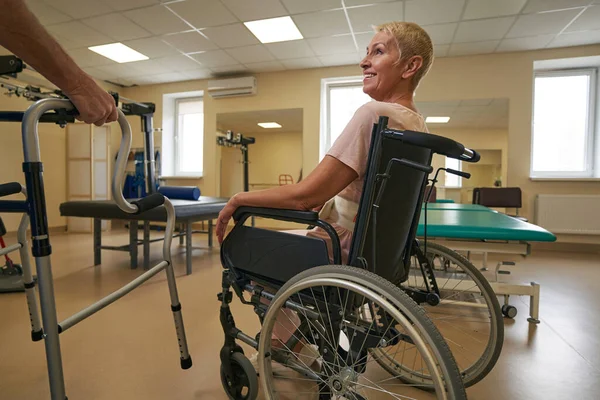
x: 482, y: 225
x: 457, y: 206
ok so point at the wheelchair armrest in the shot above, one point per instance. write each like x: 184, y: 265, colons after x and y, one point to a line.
x: 241, y: 214
x: 301, y: 217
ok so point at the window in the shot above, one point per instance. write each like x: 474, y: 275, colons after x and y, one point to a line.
x: 189, y: 136
x: 451, y: 179
x: 340, y: 98
x: 564, y: 130
x: 182, y: 138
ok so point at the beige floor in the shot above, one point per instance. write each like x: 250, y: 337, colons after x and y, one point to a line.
x: 129, y: 350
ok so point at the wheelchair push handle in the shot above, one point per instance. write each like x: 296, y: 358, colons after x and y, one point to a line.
x: 438, y: 144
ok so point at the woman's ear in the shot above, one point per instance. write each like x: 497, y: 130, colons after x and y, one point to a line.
x: 412, y: 66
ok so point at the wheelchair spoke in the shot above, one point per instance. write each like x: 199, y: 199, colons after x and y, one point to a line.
x: 381, y: 390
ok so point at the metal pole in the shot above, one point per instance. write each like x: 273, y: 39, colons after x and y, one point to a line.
x: 111, y: 298
x: 149, y: 149
x: 245, y: 152
x: 41, y: 249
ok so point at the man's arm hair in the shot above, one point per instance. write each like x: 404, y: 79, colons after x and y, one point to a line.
x: 23, y: 34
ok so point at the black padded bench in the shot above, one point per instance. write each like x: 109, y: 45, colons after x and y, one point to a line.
x: 186, y: 213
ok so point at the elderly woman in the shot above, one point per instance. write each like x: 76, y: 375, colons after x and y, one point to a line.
x: 398, y: 57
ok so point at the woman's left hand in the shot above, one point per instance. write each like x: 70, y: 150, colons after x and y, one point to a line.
x: 224, y: 217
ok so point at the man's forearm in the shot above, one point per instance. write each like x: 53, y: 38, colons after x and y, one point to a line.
x: 23, y: 35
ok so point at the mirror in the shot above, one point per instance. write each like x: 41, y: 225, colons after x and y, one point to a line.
x: 481, y: 124
x: 275, y: 157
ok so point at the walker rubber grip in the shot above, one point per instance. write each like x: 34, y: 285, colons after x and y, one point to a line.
x: 6, y: 189
x: 149, y: 202
x: 186, y: 363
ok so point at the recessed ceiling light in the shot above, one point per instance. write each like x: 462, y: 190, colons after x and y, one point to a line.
x: 274, y: 29
x: 437, y: 120
x: 118, y: 52
x: 269, y: 125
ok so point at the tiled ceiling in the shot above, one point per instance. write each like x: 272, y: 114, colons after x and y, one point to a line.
x: 194, y: 39
x: 467, y: 114
x: 247, y: 122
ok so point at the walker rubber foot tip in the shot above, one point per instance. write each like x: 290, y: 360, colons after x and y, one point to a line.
x: 186, y: 363
x: 37, y: 336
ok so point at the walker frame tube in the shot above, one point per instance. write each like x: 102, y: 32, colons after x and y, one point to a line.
x: 42, y: 250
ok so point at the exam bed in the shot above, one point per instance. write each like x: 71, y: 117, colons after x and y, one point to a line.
x: 474, y: 228
x: 186, y: 213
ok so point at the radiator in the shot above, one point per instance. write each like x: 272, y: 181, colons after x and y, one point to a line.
x: 568, y: 213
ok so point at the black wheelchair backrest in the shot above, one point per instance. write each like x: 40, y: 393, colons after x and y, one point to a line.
x: 390, y: 205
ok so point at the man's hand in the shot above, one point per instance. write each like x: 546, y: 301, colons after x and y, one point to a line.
x: 95, y: 105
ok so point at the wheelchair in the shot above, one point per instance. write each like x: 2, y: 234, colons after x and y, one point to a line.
x: 364, y: 334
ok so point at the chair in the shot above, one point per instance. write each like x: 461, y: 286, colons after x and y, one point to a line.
x: 509, y: 197
x: 333, y: 301
x: 430, y: 198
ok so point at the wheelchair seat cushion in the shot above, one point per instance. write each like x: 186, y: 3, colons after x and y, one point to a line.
x: 272, y: 255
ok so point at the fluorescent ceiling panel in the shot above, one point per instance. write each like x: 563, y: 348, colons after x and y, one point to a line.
x: 274, y: 29
x: 118, y: 52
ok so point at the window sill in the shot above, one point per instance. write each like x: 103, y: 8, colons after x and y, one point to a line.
x: 180, y: 177
x: 563, y: 179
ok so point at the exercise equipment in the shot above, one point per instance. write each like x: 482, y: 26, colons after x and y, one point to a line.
x: 180, y: 192
x: 35, y: 208
x: 11, y: 274
x: 238, y: 140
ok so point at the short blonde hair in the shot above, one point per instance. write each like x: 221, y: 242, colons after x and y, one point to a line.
x: 412, y: 40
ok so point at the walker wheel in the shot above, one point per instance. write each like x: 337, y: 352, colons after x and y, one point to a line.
x: 243, y: 384
x: 509, y: 311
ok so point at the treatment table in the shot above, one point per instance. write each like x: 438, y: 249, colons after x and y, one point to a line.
x: 476, y: 228
x: 186, y: 213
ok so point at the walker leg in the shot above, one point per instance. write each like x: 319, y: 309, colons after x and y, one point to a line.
x: 534, y: 304
x: 50, y: 323
x: 186, y: 359
x: 210, y: 232
x: 32, y: 305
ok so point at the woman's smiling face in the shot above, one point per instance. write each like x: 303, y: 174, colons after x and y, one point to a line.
x: 382, y: 69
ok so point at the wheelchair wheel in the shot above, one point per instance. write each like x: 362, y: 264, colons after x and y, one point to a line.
x: 243, y: 384
x: 328, y: 303
x: 468, y: 314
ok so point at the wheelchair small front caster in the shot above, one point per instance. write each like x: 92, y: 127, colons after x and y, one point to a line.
x: 243, y: 382
x: 509, y: 311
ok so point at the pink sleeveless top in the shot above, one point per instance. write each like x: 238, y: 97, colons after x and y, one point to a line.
x: 352, y: 148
